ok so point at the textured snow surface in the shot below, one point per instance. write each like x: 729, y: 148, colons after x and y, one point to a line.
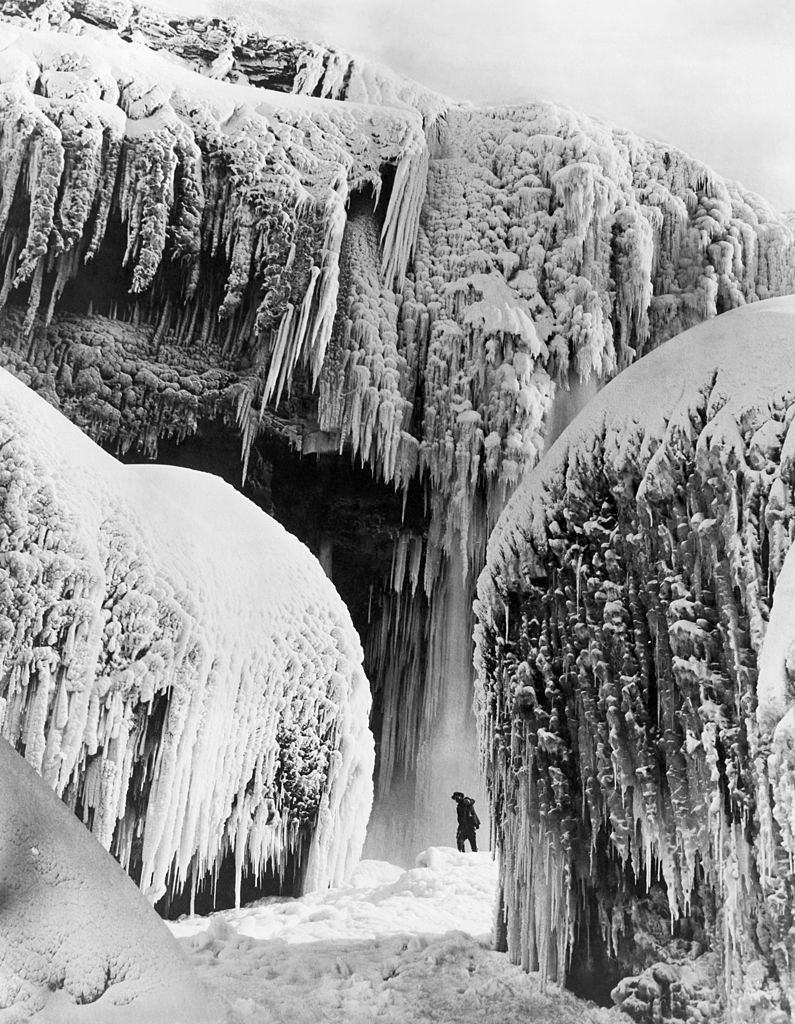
x: 621, y: 617
x: 391, y: 946
x: 234, y: 40
x: 175, y: 663
x: 78, y: 942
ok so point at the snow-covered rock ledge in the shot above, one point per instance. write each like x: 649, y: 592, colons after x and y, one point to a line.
x: 641, y: 779
x: 174, y: 663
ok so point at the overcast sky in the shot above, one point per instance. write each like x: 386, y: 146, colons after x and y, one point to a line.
x: 713, y: 77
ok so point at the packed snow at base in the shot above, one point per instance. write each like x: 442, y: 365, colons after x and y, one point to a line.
x: 390, y: 946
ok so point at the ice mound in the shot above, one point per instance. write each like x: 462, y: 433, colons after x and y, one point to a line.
x: 78, y: 942
x: 177, y: 666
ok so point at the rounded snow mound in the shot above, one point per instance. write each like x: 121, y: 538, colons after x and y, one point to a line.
x: 177, y: 666
x: 78, y: 942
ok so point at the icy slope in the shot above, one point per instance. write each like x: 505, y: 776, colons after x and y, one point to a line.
x: 174, y: 662
x: 621, y: 616
x: 78, y: 942
x: 391, y: 947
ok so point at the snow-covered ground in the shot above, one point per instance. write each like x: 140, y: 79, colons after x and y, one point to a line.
x: 389, y: 946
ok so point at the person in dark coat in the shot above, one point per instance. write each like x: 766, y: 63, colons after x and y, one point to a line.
x: 468, y: 822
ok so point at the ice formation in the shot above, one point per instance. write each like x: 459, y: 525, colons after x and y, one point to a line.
x: 213, y: 191
x: 175, y: 664
x: 230, y: 205
x: 638, y: 744
x: 552, y: 251
x: 78, y: 942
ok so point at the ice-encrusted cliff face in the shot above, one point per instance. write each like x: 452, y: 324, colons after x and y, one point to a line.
x: 186, y: 247
x: 637, y: 746
x: 174, y: 663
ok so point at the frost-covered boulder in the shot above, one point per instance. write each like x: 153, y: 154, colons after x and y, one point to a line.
x: 78, y: 942
x: 174, y: 663
x: 640, y: 768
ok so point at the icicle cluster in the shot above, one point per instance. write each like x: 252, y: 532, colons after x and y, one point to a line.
x: 364, y: 384
x: 117, y: 382
x: 328, y: 73
x: 620, y: 619
x: 188, y: 689
x: 232, y: 221
x: 553, y: 248
x: 513, y: 253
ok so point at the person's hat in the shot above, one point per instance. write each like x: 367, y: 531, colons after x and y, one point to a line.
x: 457, y: 796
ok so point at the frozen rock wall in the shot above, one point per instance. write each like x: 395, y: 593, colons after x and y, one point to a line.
x: 513, y: 254
x: 243, y: 45
x: 174, y: 664
x: 552, y: 251
x: 637, y: 747
x: 229, y: 207
x: 121, y: 384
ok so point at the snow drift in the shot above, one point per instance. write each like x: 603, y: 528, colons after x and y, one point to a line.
x: 78, y: 942
x: 174, y: 663
x: 621, y: 617
x: 392, y: 946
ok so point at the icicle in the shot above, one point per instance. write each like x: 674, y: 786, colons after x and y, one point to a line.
x: 120, y: 631
x: 399, y: 235
x: 617, y: 705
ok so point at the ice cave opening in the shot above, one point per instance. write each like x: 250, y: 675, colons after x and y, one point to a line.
x: 346, y: 518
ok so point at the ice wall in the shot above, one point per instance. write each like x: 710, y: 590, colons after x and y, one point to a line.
x: 513, y: 252
x: 230, y: 202
x: 552, y: 251
x: 175, y: 665
x: 636, y: 756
